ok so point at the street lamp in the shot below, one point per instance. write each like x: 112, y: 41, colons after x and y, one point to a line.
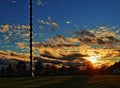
x: 31, y: 30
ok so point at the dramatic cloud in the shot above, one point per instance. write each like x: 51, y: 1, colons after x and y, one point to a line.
x: 50, y: 61
x: 72, y: 59
x: 8, y: 55
x: 106, y: 32
x: 60, y: 40
x: 22, y: 44
x: 14, y: 32
x: 50, y: 22
x: 102, y: 44
x: 24, y: 27
x: 25, y: 36
x: 101, y: 36
x: 5, y: 28
x: 89, y: 43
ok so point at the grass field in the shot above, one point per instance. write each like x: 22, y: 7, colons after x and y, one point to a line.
x: 105, y: 81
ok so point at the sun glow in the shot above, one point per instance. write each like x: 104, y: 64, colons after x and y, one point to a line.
x: 93, y: 59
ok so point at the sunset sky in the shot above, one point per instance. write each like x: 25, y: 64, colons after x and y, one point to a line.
x: 64, y: 31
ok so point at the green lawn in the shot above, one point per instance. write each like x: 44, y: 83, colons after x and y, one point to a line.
x: 105, y: 81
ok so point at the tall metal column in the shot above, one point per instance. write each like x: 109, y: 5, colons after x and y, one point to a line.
x: 31, y: 36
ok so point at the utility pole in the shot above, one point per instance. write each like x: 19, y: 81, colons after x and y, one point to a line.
x: 31, y: 39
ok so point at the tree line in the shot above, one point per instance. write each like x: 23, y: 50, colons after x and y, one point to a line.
x: 20, y: 70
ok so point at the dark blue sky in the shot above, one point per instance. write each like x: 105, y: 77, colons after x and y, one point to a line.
x: 14, y: 12
x: 80, y: 13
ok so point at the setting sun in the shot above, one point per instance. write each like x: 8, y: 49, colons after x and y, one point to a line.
x: 93, y: 59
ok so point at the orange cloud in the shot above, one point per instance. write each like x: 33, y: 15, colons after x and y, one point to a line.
x: 5, y: 28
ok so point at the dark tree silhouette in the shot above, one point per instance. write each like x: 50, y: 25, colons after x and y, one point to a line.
x: 47, y: 70
x: 115, y: 68
x: 39, y: 69
x: 104, y: 69
x: 10, y: 71
x: 2, y: 72
x: 21, y: 69
x: 50, y: 70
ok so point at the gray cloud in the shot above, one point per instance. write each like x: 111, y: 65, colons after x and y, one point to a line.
x: 14, y: 1
x: 50, y: 22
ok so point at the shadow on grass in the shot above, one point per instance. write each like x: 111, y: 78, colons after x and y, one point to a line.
x: 93, y: 81
x: 43, y: 82
x: 62, y: 82
x: 72, y: 82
